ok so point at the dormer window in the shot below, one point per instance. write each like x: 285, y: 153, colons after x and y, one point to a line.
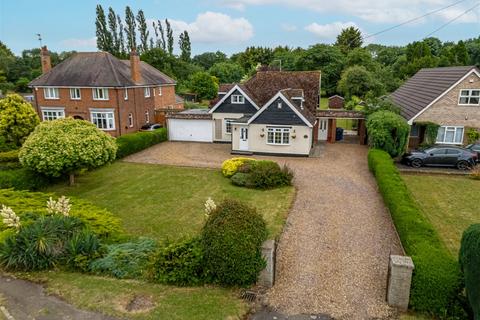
x: 238, y: 99
x: 469, y: 97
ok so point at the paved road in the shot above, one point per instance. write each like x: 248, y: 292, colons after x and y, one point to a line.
x: 23, y: 300
x: 332, y: 258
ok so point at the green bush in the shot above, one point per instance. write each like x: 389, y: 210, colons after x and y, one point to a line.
x: 22, y: 179
x: 436, y: 280
x: 42, y: 244
x: 241, y: 179
x: 32, y: 205
x: 9, y: 156
x: 231, y: 166
x: 268, y: 174
x: 82, y: 248
x: 470, y: 264
x: 6, y: 146
x: 231, y: 239
x: 388, y: 131
x: 135, y: 142
x: 125, y: 260
x: 179, y: 264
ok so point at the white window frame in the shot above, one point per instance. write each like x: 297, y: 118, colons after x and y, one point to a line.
x: 237, y: 99
x: 159, y: 91
x: 125, y: 94
x: 106, y: 114
x: 147, y: 117
x: 455, y: 130
x: 51, y: 93
x: 73, y: 94
x: 146, y: 92
x: 469, y: 97
x: 284, y: 134
x: 130, y: 120
x: 97, y: 96
x: 228, y: 124
x: 51, y: 113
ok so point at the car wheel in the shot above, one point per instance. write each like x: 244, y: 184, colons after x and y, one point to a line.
x: 416, y: 163
x: 463, y: 165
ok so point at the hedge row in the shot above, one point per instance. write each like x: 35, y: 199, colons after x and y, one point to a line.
x: 135, y: 142
x: 22, y: 179
x: 436, y: 282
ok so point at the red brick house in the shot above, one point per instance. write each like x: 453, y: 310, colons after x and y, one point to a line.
x: 118, y: 96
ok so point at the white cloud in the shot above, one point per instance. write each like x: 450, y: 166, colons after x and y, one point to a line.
x: 80, y: 43
x: 375, y: 11
x: 289, y: 27
x: 328, y: 31
x: 215, y: 27
x: 452, y: 13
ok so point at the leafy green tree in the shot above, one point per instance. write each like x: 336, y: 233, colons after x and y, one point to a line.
x: 358, y: 81
x: 204, y: 85
x: 207, y: 59
x: 169, y: 33
x: 227, y: 72
x: 69, y: 145
x: 130, y: 26
x: 17, y: 119
x: 22, y: 85
x: 329, y: 59
x: 473, y: 49
x: 143, y: 31
x: 349, y: 39
x: 286, y: 57
x: 388, y: 131
x: 434, y: 44
x: 185, y: 46
x: 159, y: 35
x: 121, y: 38
x: 360, y: 57
x: 104, y: 37
x: 459, y: 55
x: 252, y: 57
x: 113, y: 28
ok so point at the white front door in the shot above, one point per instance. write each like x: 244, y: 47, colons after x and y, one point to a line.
x: 322, y: 129
x: 243, y: 143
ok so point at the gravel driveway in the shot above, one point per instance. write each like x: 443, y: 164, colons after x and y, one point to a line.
x: 333, y: 254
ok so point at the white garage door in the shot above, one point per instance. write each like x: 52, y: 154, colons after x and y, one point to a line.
x: 190, y: 130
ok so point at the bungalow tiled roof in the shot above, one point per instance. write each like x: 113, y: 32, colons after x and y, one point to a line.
x: 291, y: 94
x: 426, y: 86
x: 99, y: 69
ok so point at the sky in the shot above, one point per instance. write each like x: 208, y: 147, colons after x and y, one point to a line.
x: 232, y: 25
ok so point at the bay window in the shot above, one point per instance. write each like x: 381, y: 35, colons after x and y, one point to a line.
x: 280, y: 136
x: 450, y: 135
x: 49, y: 114
x: 103, y: 119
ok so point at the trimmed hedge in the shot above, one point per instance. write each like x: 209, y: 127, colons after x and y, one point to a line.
x: 22, y: 179
x: 135, y: 142
x: 436, y: 282
x: 470, y: 264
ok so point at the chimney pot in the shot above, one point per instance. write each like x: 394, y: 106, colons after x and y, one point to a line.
x: 45, y: 59
x: 135, y: 66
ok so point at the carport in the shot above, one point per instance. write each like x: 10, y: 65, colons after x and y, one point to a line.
x: 327, y: 124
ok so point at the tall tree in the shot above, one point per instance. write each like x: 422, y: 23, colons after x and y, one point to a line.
x: 185, y: 46
x: 349, y: 39
x: 104, y: 37
x: 113, y: 26
x: 169, y: 37
x: 121, y: 39
x: 130, y: 27
x: 143, y: 31
x: 161, y: 31
x: 459, y: 54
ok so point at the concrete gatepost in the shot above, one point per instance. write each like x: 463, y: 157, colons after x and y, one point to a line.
x: 267, y: 275
x: 400, y: 271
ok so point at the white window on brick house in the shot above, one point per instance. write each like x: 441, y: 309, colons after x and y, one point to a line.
x: 146, y: 92
x: 51, y: 93
x: 279, y: 136
x: 469, y: 97
x: 130, y: 120
x: 49, y: 114
x: 450, y: 135
x: 100, y: 93
x: 104, y: 119
x: 147, y: 117
x: 238, y: 99
x: 75, y: 94
x: 125, y: 94
x: 159, y: 91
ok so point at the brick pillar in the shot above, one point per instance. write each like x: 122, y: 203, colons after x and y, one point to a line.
x: 400, y: 271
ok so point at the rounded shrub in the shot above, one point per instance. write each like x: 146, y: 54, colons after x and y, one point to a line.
x: 268, y: 174
x: 388, y: 131
x: 231, y: 166
x: 231, y: 239
x: 470, y: 264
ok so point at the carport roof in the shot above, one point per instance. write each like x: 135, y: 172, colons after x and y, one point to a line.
x: 200, y: 114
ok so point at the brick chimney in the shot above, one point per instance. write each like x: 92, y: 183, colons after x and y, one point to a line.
x: 135, y: 66
x: 45, y: 58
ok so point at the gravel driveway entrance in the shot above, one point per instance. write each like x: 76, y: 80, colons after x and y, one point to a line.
x: 333, y: 254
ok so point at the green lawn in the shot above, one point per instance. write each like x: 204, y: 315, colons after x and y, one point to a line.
x: 167, y: 202
x: 111, y: 296
x: 450, y: 202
